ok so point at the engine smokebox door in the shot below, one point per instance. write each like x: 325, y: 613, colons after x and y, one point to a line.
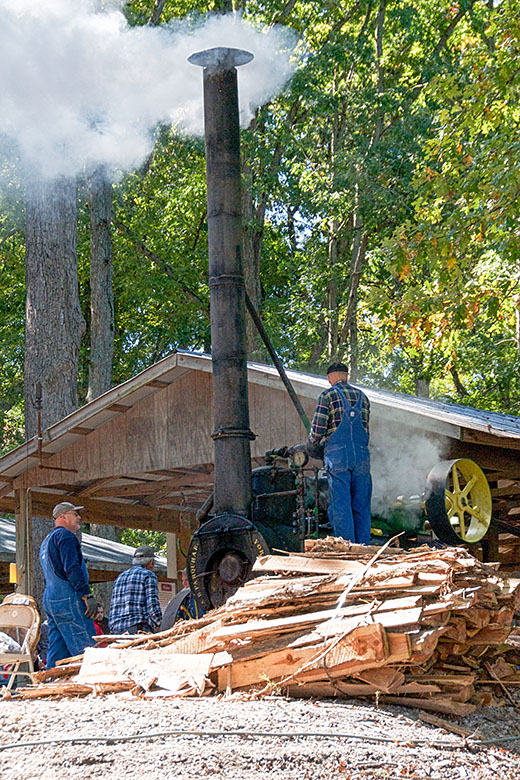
x: 221, y: 556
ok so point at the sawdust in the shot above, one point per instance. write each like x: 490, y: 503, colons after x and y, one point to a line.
x: 412, y: 749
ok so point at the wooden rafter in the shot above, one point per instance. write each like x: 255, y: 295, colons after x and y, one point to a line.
x: 123, y: 515
x: 93, y: 486
x: 148, y: 488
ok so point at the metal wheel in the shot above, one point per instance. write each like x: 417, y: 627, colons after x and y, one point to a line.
x: 459, y: 503
x: 220, y: 558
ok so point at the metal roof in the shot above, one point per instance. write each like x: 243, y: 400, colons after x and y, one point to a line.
x: 99, y: 553
x: 381, y: 400
x: 440, y: 417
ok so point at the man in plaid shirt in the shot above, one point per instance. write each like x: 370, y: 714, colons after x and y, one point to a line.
x: 135, y: 597
x: 340, y: 430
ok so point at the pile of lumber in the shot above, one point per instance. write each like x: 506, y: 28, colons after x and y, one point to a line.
x: 426, y: 628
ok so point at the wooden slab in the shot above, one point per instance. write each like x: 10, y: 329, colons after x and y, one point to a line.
x: 305, y: 565
x: 366, y: 645
x: 162, y: 667
x: 254, y: 628
x: 398, y: 652
x: 443, y: 705
x: 405, y: 618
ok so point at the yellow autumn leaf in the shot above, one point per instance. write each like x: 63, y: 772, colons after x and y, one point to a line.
x: 405, y: 270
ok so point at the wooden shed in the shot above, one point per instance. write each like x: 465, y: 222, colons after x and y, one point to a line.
x: 141, y: 455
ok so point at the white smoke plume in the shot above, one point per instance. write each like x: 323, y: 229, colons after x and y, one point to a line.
x: 81, y: 88
x: 400, y: 464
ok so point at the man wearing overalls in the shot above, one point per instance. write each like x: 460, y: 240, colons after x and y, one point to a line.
x: 341, y: 423
x: 67, y: 599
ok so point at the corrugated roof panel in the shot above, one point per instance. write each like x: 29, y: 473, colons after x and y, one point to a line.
x: 96, y: 550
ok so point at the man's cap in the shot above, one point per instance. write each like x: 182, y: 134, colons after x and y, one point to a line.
x: 65, y: 506
x: 143, y: 554
x: 339, y: 367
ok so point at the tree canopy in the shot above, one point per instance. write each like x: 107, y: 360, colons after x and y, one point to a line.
x: 380, y: 208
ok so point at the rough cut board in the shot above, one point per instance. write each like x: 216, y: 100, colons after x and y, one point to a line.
x: 311, y: 565
x: 168, y: 670
x: 367, y: 644
x: 405, y: 618
x: 262, y: 627
x: 398, y: 652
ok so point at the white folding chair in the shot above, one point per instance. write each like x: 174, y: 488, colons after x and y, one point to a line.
x: 20, y: 619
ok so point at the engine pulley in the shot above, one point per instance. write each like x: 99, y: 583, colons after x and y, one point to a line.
x: 459, y: 503
x: 221, y: 556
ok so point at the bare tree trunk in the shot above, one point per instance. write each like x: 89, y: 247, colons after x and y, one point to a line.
x: 332, y: 292
x: 349, y: 332
x: 102, y: 326
x: 422, y: 387
x: 254, y: 220
x: 155, y: 17
x: 517, y: 325
x: 101, y: 293
x: 54, y: 323
x: 516, y: 304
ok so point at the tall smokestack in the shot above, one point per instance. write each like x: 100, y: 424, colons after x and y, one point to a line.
x: 232, y: 434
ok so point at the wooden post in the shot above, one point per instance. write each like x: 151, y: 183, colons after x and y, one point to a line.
x: 490, y: 547
x: 186, y: 532
x: 24, y: 552
x: 171, y: 557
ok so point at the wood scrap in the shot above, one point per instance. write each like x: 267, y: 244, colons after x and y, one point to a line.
x: 55, y: 673
x: 429, y: 629
x: 447, y: 725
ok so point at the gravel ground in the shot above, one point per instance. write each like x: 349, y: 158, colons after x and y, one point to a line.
x: 412, y: 749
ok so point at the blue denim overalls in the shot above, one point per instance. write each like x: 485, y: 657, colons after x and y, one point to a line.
x: 347, y: 462
x: 70, y: 631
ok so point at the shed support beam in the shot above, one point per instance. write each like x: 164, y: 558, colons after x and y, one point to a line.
x: 109, y: 512
x: 24, y: 552
x: 171, y: 556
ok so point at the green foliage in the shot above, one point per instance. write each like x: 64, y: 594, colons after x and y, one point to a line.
x: 135, y: 537
x: 457, y: 257
x: 400, y: 127
x: 12, y: 311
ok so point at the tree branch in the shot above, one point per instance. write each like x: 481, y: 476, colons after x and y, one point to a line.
x: 11, y: 233
x: 155, y: 16
x: 162, y: 263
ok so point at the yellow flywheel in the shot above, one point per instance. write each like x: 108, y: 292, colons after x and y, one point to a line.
x: 459, y: 505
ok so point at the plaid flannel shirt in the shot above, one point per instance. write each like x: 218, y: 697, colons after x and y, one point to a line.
x: 329, y: 411
x: 135, y: 599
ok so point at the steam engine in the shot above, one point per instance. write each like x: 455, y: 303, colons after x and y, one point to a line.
x: 277, y: 505
x: 288, y: 505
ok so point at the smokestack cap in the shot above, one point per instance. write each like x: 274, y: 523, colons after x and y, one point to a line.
x: 220, y: 58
